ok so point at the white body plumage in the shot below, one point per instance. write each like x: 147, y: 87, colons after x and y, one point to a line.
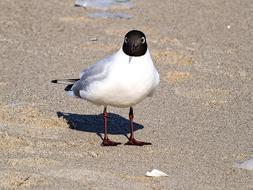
x: 118, y: 80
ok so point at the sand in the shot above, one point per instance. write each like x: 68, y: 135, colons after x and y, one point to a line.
x: 199, y: 120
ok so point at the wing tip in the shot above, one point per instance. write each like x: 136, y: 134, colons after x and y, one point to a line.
x: 68, y: 87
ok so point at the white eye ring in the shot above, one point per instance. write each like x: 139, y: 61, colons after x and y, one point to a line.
x: 125, y: 40
x: 143, y: 40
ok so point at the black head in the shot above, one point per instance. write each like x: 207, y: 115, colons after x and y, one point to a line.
x: 135, y: 43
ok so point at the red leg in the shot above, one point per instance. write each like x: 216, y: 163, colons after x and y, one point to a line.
x: 106, y: 140
x: 132, y: 140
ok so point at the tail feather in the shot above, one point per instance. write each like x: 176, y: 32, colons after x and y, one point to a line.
x: 69, y: 83
x: 64, y: 81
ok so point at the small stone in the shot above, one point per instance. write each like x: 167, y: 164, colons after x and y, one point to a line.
x: 93, y: 154
x: 93, y: 39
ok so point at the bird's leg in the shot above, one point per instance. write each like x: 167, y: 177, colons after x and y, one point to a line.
x: 106, y: 140
x: 132, y: 140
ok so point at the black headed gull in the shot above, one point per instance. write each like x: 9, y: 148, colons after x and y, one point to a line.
x: 122, y: 80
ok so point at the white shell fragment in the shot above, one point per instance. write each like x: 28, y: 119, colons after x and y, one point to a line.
x: 103, y: 4
x: 248, y: 164
x: 156, y: 173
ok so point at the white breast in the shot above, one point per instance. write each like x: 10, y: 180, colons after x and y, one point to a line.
x: 127, y: 83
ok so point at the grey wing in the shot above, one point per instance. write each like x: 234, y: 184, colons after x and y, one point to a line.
x: 96, y: 72
x: 96, y: 69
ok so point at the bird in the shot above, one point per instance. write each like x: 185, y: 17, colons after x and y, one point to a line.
x: 122, y: 80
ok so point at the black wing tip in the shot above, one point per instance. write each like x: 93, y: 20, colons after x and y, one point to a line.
x: 54, y: 81
x: 68, y: 88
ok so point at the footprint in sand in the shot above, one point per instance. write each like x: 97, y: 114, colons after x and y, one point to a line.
x: 177, y: 76
x: 209, y: 97
x: 173, y: 57
x: 14, y: 179
x: 24, y: 114
x: 33, y: 162
x: 12, y: 144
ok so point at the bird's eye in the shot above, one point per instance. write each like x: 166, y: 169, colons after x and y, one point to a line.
x: 125, y: 40
x: 143, y: 40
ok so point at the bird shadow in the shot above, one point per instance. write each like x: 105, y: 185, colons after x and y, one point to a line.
x: 117, y: 125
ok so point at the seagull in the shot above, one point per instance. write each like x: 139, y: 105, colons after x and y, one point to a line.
x: 121, y: 80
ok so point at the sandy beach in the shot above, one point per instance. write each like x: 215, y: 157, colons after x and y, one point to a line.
x: 199, y: 120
